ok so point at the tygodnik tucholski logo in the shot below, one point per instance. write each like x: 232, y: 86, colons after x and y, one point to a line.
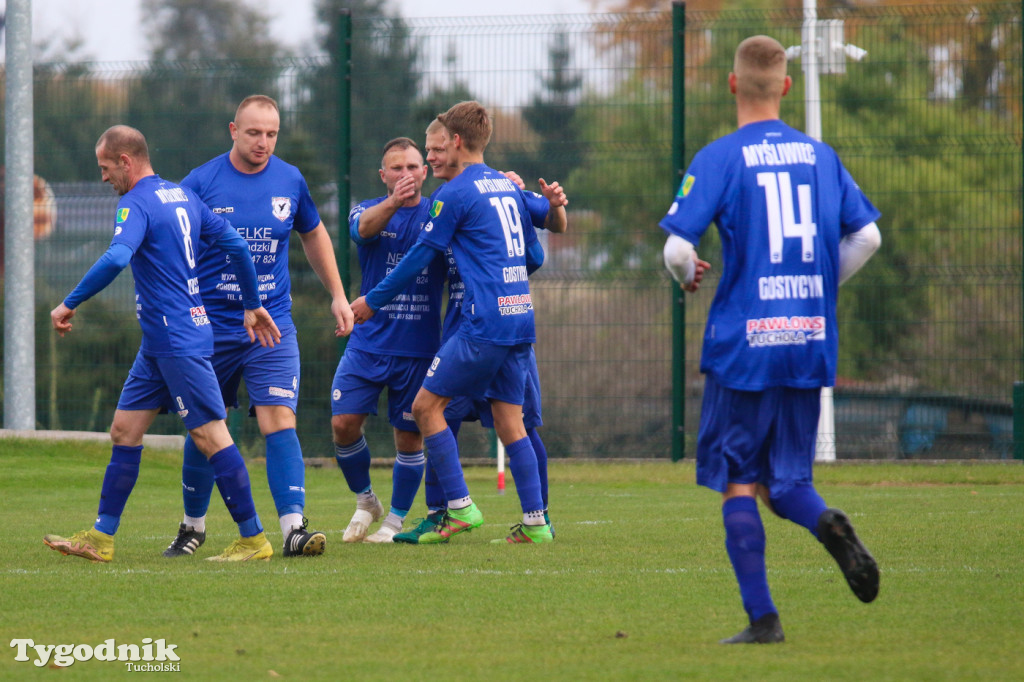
x: 150, y: 656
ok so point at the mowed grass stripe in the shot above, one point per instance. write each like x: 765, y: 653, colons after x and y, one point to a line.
x: 636, y: 586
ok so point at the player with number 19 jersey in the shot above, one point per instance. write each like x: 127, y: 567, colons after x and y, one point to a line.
x: 264, y: 207
x: 773, y: 320
x: 154, y: 218
x: 496, y: 305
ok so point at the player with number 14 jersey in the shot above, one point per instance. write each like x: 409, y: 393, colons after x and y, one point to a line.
x: 778, y: 300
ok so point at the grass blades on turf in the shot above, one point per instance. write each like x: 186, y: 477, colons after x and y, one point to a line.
x: 636, y: 586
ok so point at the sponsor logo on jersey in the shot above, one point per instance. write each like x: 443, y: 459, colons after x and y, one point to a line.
x: 282, y: 207
x: 433, y: 366
x: 684, y: 189
x: 122, y: 215
x: 224, y: 209
x: 785, y: 331
x: 199, y: 317
x: 435, y: 209
x: 117, y: 230
x: 517, y: 304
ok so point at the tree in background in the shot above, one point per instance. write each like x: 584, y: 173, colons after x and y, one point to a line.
x: 194, y: 72
x: 551, y: 114
x: 384, y: 58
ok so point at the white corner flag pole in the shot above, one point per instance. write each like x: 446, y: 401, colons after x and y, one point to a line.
x: 501, y: 467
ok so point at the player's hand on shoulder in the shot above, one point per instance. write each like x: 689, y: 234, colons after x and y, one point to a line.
x: 61, y: 318
x: 343, y: 316
x: 261, y: 326
x: 361, y: 312
x: 514, y: 177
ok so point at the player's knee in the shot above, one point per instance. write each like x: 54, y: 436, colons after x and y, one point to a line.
x: 347, y: 428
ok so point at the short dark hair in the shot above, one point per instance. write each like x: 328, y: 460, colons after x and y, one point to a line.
x: 402, y: 143
x: 122, y: 139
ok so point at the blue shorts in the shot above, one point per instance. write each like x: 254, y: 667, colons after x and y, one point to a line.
x: 531, y: 400
x: 361, y: 377
x: 186, y: 385
x: 765, y: 437
x: 464, y: 367
x: 271, y: 374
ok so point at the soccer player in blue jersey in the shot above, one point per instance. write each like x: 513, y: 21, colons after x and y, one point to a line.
x: 547, y: 211
x: 266, y: 200
x: 481, y: 214
x: 160, y: 228
x: 793, y: 226
x: 392, y: 349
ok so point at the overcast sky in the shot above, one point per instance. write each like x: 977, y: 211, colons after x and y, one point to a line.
x: 111, y: 32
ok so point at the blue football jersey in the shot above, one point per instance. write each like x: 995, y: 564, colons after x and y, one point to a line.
x: 781, y: 201
x: 483, y: 218
x: 264, y: 207
x: 167, y: 226
x: 537, y: 206
x: 409, y: 326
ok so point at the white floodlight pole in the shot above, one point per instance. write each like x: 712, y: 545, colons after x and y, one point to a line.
x: 19, y: 258
x: 822, y: 50
x: 825, y: 447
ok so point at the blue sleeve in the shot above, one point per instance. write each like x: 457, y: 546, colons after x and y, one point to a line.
x: 353, y: 225
x: 417, y: 258
x: 537, y: 206
x: 102, y: 273
x: 237, y: 249
x: 534, y: 257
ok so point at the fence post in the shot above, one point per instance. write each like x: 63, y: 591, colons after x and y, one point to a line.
x: 1018, y: 420
x: 344, y: 181
x: 678, y: 297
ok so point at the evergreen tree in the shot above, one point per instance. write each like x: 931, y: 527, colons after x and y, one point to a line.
x: 551, y: 115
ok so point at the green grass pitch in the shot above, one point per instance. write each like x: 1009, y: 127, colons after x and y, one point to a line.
x: 636, y: 586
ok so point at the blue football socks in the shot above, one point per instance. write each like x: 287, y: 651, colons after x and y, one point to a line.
x: 406, y: 477
x: 232, y: 480
x: 802, y: 505
x: 443, y: 451
x: 286, y: 472
x: 522, y: 463
x: 118, y: 481
x: 745, y: 543
x: 542, y: 463
x: 354, y: 461
x: 196, y: 480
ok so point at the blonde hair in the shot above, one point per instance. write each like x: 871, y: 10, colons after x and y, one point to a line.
x: 470, y: 122
x: 760, y: 68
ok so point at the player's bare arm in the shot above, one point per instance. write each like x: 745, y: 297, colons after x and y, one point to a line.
x: 374, y: 219
x: 320, y: 254
x: 557, y: 220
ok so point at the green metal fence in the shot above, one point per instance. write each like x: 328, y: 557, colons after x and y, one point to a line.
x: 929, y: 124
